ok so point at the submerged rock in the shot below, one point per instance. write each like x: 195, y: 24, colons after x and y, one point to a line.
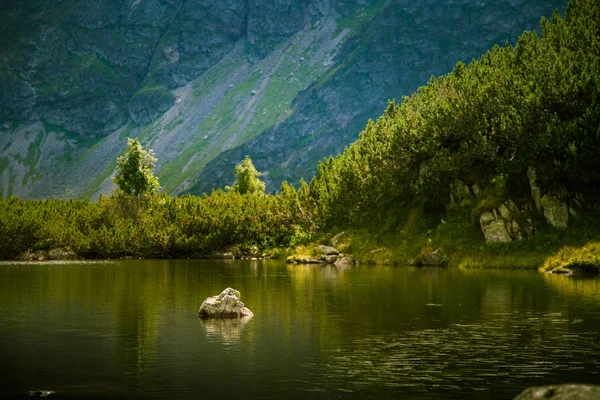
x: 225, y: 305
x: 561, y: 392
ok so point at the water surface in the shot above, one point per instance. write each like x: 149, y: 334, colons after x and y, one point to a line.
x: 129, y: 329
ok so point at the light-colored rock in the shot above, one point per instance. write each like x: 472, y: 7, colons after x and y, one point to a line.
x: 505, y: 212
x: 536, y: 192
x: 329, y: 259
x: 43, y: 255
x: 561, y: 392
x: 225, y: 305
x: 476, y: 189
x: 337, y: 239
x: 556, y: 211
x: 516, y: 230
x: 486, y: 218
x: 496, y: 232
x: 61, y: 254
x: 303, y: 260
x: 327, y: 250
x: 344, y: 261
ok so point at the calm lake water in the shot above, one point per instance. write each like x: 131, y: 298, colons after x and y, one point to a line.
x: 129, y: 329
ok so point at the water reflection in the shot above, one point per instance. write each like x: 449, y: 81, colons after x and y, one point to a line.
x: 374, y: 331
x: 220, y: 330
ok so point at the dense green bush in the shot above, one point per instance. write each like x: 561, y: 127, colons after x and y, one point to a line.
x: 155, y: 226
x: 531, y: 105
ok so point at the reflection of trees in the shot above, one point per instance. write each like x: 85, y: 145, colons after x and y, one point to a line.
x: 227, y: 331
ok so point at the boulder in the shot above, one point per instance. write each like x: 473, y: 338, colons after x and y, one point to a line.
x: 561, y: 392
x: 337, y: 239
x: 344, y: 261
x: 536, y: 192
x: 327, y: 251
x: 505, y: 223
x: 329, y: 259
x: 303, y: 260
x: 225, y: 305
x: 61, y: 254
x: 556, y: 211
x: 496, y: 231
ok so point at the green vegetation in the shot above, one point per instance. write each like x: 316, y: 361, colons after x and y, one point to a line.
x: 534, y: 105
x: 159, y: 226
x: 418, y: 179
x: 247, y: 179
x: 584, y: 259
x: 135, y: 173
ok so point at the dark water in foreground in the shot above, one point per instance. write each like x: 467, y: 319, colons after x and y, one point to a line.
x: 128, y: 329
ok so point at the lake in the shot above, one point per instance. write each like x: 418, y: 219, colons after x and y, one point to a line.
x: 128, y: 329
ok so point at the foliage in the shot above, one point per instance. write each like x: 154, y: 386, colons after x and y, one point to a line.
x: 531, y: 105
x: 121, y: 226
x: 584, y: 259
x: 247, y: 179
x: 135, y: 174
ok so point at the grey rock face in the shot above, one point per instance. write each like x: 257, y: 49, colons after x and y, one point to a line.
x: 225, y: 305
x: 87, y: 69
x: 327, y: 250
x: 418, y: 39
x: 505, y: 223
x: 556, y: 211
x: 344, y: 261
x: 561, y: 392
x: 496, y: 231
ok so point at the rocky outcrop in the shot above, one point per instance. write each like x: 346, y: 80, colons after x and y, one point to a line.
x: 48, y: 255
x: 345, y: 261
x: 225, y: 305
x: 326, y: 250
x: 297, y: 259
x: 324, y: 255
x: 561, y: 392
x: 555, y: 210
x: 103, y: 69
x: 505, y: 223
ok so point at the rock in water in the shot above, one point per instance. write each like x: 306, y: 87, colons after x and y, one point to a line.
x: 225, y: 305
x: 561, y: 392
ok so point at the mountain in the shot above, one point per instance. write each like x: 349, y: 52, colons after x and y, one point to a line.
x: 205, y: 83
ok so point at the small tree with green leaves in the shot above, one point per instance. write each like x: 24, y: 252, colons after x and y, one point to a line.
x: 247, y: 179
x: 135, y: 174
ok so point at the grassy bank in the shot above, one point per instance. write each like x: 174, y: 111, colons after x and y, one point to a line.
x: 463, y: 243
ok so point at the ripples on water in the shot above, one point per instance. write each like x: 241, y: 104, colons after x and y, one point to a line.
x: 129, y: 329
x: 463, y: 358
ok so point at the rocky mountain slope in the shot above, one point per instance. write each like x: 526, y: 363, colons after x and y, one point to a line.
x: 204, y: 83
